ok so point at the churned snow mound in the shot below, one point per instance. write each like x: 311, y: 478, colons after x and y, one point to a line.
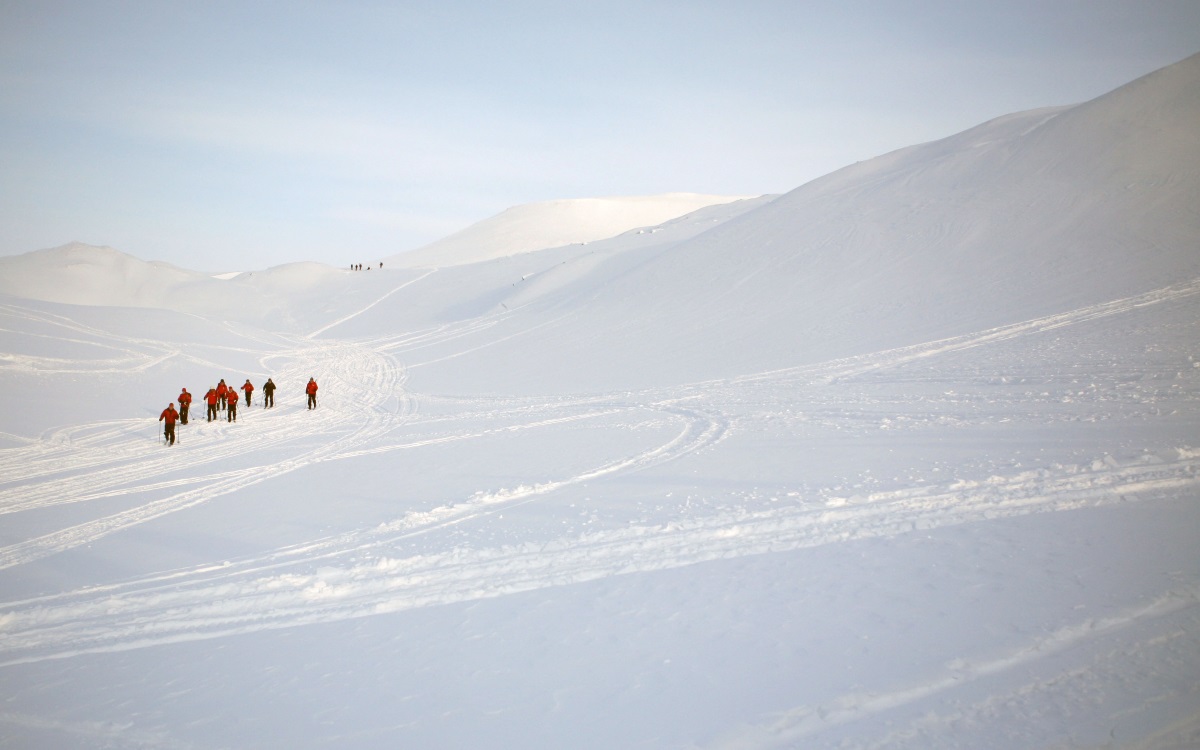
x: 548, y: 224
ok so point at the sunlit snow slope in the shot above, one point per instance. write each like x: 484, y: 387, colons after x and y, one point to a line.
x: 1027, y: 215
x: 538, y: 226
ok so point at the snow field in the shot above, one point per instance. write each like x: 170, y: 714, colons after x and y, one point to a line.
x: 905, y: 458
x: 446, y: 553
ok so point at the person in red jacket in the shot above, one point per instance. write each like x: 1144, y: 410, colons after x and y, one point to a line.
x: 185, y: 402
x: 168, y: 417
x: 311, y: 390
x: 231, y: 399
x: 248, y: 387
x: 222, y: 393
x: 211, y: 399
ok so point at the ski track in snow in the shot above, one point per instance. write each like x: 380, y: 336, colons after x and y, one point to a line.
x: 368, y: 382
x: 356, y: 313
x: 794, y: 727
x: 365, y: 409
x: 227, y: 600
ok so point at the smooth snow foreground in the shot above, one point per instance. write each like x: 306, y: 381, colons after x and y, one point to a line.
x: 905, y: 458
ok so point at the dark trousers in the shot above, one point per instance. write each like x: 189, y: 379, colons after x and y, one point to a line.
x: 183, y: 409
x: 231, y: 413
x: 222, y: 400
x: 268, y: 398
x: 312, y: 400
x: 169, y: 433
x: 212, y: 412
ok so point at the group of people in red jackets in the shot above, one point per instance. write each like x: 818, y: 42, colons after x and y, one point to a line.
x: 226, y: 399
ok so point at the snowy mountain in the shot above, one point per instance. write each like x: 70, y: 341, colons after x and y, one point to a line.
x: 292, y: 297
x: 1028, y: 215
x: 549, y: 224
x: 906, y: 457
x: 85, y: 275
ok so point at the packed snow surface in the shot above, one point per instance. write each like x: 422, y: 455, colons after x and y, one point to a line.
x: 905, y: 458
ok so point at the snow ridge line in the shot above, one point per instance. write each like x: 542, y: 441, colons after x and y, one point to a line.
x: 103, y: 621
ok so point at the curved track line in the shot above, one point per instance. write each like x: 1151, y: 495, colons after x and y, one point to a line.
x: 371, y: 383
x: 355, y: 314
x: 102, y: 621
x: 698, y: 432
x: 799, y: 723
x: 280, y: 589
x: 838, y: 369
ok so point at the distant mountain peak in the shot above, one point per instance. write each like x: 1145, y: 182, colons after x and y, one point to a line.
x: 555, y: 223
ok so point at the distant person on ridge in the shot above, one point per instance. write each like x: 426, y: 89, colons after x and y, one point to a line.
x: 311, y: 390
x: 268, y: 393
x: 222, y: 393
x: 231, y: 399
x: 211, y: 399
x: 168, y: 417
x: 248, y: 387
x: 185, y: 402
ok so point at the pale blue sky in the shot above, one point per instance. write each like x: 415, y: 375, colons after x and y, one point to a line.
x: 239, y: 135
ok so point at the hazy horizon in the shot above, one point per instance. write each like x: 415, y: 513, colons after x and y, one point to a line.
x: 242, y: 136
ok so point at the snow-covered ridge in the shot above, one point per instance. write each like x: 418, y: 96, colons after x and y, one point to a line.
x: 549, y: 224
x: 83, y: 274
x: 1040, y: 212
